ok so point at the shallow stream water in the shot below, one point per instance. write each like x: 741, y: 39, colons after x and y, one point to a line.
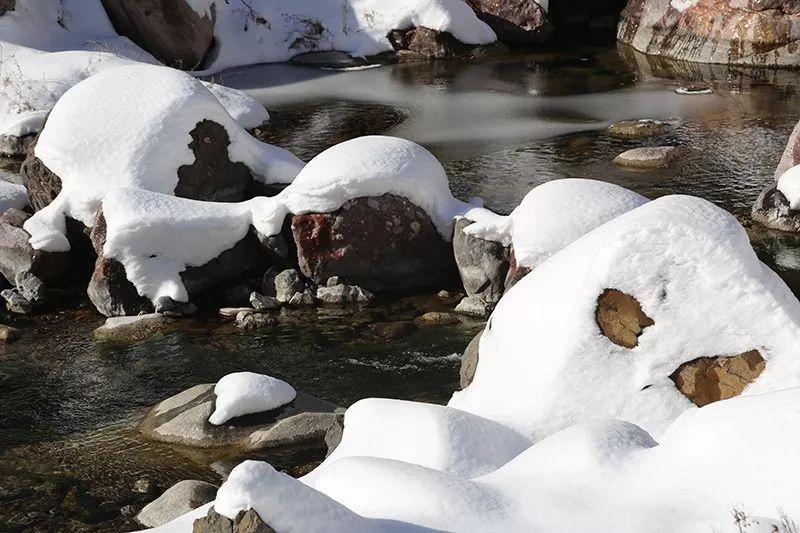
x: 500, y: 127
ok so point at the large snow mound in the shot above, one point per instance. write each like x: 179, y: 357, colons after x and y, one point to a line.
x: 244, y: 393
x: 789, y: 185
x: 129, y: 127
x: 268, y: 31
x: 607, y: 475
x: 544, y: 364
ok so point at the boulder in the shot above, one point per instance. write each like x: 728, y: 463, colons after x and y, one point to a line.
x: 426, y: 43
x: 344, y: 294
x: 515, y: 271
x: 469, y: 361
x: 482, y: 265
x: 637, y: 129
x: 8, y: 334
x: 740, y: 32
x: 183, y: 419
x: 514, y: 21
x: 791, y: 156
x: 42, y: 184
x: 16, y: 303
x: 772, y: 210
x: 250, y: 319
x: 245, y: 522
x: 474, y: 306
x: 378, y: 243
x: 284, y: 285
x: 648, y: 157
x: 171, y: 30
x: 263, y: 303
x: 302, y: 299
x: 177, y: 500
x: 711, y: 379
x: 132, y: 328
x: 620, y: 318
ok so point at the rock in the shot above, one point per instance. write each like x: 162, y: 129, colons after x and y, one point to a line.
x: 9, y: 334
x: 696, y: 88
x: 344, y: 294
x: 111, y: 292
x: 333, y: 281
x: 129, y: 511
x: 170, y: 30
x: 637, y: 129
x: 86, y: 508
x: 132, y: 329
x: 145, y: 485
x: 469, y: 361
x: 377, y: 243
x: 435, y: 319
x: 245, y: 522
x: 515, y: 272
x: 390, y: 330
x: 772, y: 210
x: 428, y: 44
x: 16, y: 303
x: 286, y: 283
x: 514, y: 21
x: 231, y: 313
x: 295, y: 430
x: 178, y: 500
x: 252, y: 320
x: 263, y: 303
x: 791, y: 156
x: 327, y: 59
x: 302, y: 299
x: 334, y: 435
x: 759, y: 33
x: 620, y: 318
x: 31, y: 287
x: 474, y: 306
x: 7, y: 5
x: 648, y: 157
x: 42, y: 184
x: 12, y: 147
x: 169, y: 307
x: 482, y: 265
x: 711, y: 379
x: 183, y: 419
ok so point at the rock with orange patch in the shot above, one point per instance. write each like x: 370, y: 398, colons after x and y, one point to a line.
x: 710, y: 379
x: 621, y: 318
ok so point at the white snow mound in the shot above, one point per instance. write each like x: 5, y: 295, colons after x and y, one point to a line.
x: 244, y: 393
x: 789, y: 185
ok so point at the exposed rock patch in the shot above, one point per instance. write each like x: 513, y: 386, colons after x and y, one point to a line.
x: 482, y: 265
x: 514, y: 21
x: 132, y: 328
x: 469, y: 361
x: 637, y: 129
x: 620, y: 318
x: 245, y: 522
x: 649, y: 157
x: 772, y: 210
x: 177, y: 500
x: 710, y: 379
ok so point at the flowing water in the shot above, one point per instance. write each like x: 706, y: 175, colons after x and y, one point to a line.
x: 500, y: 127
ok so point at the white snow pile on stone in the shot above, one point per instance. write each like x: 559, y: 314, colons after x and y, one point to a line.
x: 130, y: 127
x: 244, y: 393
x: 789, y: 185
x: 267, y: 31
x: 555, y: 214
x: 12, y: 195
x: 690, y: 266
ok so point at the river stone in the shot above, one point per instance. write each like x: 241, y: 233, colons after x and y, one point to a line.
x: 469, y: 361
x: 433, y: 319
x: 772, y: 210
x: 263, y: 303
x: 378, y: 243
x: 391, y: 330
x: 171, y: 30
x: 344, y: 294
x: 637, y: 129
x: 740, y: 32
x: 514, y: 21
x: 245, y: 522
x: 16, y: 303
x: 515, y: 271
x: 249, y: 319
x: 132, y: 329
x: 179, y: 499
x: 711, y: 379
x: 620, y: 318
x: 791, y: 156
x: 428, y: 44
x: 9, y: 334
x: 327, y: 59
x: 474, y: 306
x: 286, y: 283
x: 183, y: 419
x: 482, y: 265
x: 230, y: 313
x: 649, y: 157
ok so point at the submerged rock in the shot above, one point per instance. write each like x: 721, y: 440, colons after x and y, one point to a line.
x: 132, y: 328
x: 648, y: 157
x: 177, y: 500
x: 637, y: 129
x: 391, y: 330
x: 251, y: 319
x: 435, y: 319
x: 9, y: 334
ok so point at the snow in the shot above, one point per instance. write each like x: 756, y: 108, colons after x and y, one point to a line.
x: 129, y: 127
x: 12, y: 195
x: 691, y: 267
x: 789, y: 185
x: 683, y: 5
x: 244, y: 393
x: 277, y: 30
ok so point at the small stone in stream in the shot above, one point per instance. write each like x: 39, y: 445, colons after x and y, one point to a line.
x: 333, y: 281
x: 145, y: 485
x: 302, y: 299
x: 8, y: 334
x: 391, y: 330
x: 129, y: 511
x: 179, y: 499
x: 131, y: 328
x: 648, y: 157
x: 474, y: 306
x: 169, y: 307
x: 287, y: 284
x: 694, y: 89
x: 16, y: 303
x: 232, y: 312
x: 263, y: 303
x: 253, y: 320
x: 637, y: 129
x: 344, y: 294
x: 31, y: 287
x: 435, y: 319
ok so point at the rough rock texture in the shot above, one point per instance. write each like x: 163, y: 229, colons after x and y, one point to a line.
x: 428, y: 44
x: 514, y: 21
x: 621, y: 318
x: 791, y: 156
x: 710, y: 379
x: 183, y: 419
x: 132, y: 329
x: 177, y: 500
x: 344, y: 294
x: 284, y: 284
x: 474, y: 306
x: 13, y: 149
x: 469, y: 361
x: 169, y: 29
x: 772, y: 210
x: 245, y: 522
x: 251, y: 320
x: 43, y: 186
x: 515, y: 272
x: 378, y: 243
x: 742, y: 32
x: 637, y: 129
x: 482, y: 264
x: 649, y: 157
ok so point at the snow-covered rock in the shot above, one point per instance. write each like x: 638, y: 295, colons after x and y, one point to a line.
x: 140, y: 137
x: 777, y: 205
x: 12, y: 195
x: 482, y: 265
x: 244, y: 393
x: 547, y: 361
x: 789, y: 185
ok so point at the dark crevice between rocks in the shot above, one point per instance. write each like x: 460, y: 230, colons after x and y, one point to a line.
x: 710, y: 379
x: 620, y: 318
x: 7, y: 5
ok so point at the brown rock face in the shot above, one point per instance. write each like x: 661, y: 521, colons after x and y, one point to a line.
x: 791, y: 156
x: 169, y: 29
x: 428, y: 43
x: 380, y: 243
x: 711, y: 379
x: 42, y: 184
x: 515, y: 272
x: 514, y: 21
x: 621, y: 318
x: 245, y: 522
x: 762, y: 33
x: 469, y: 361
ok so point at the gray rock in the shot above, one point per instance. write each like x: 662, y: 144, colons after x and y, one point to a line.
x: 16, y: 303
x: 245, y: 522
x: 327, y: 59
x: 334, y: 435
x: 132, y: 328
x: 474, y: 306
x: 333, y: 281
x: 772, y: 210
x: 183, y: 419
x: 469, y: 361
x: 169, y: 307
x: 637, y: 129
x: 344, y: 294
x: 230, y: 313
x: 254, y: 320
x: 263, y: 303
x: 144, y: 485
x: 649, y: 157
x: 302, y: 299
x: 482, y: 265
x: 31, y: 287
x: 434, y: 319
x: 287, y: 283
x: 177, y: 500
